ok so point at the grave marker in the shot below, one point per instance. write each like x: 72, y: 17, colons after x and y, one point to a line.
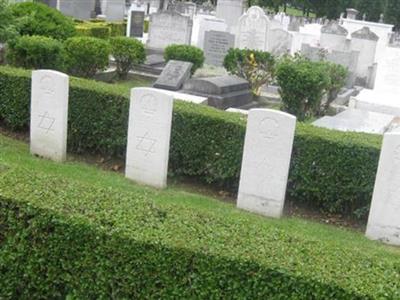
x: 266, y: 161
x: 150, y: 117
x: 49, y: 114
x: 384, y: 221
x: 135, y: 25
x: 174, y: 75
x: 216, y: 46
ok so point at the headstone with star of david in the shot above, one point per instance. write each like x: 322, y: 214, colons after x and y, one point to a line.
x: 49, y: 114
x: 266, y: 161
x: 150, y: 117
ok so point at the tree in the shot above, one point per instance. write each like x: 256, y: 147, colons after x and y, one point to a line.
x: 371, y: 8
x: 392, y: 13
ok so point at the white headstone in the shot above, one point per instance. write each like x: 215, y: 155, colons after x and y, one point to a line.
x: 279, y: 42
x: 253, y: 28
x: 49, y: 114
x: 230, y: 11
x: 384, y: 220
x: 150, y: 117
x: 266, y: 161
x: 167, y: 28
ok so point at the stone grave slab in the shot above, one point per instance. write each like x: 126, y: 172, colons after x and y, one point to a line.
x: 357, y: 120
x: 222, y: 91
x: 174, y: 75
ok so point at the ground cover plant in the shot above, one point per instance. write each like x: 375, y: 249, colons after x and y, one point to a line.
x: 71, y: 230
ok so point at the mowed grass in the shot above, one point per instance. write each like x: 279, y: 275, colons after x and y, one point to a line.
x: 16, y: 153
x: 202, y: 224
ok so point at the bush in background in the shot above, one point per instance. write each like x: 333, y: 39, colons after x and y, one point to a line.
x: 257, y: 67
x: 97, y: 30
x: 36, y: 52
x: 302, y: 84
x: 85, y: 56
x: 40, y: 19
x: 8, y: 29
x: 185, y: 53
x: 127, y: 52
x: 337, y: 80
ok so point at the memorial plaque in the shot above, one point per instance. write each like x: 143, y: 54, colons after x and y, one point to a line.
x: 266, y: 161
x: 136, y: 23
x: 49, y: 114
x: 150, y: 117
x: 174, y: 75
x: 216, y: 46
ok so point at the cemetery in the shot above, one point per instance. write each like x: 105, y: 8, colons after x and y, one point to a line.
x: 198, y: 150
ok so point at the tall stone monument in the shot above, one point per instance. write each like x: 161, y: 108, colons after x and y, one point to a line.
x: 49, y: 114
x: 266, y: 161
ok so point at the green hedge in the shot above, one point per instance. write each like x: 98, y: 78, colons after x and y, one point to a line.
x: 101, y: 29
x: 88, y: 241
x: 331, y: 170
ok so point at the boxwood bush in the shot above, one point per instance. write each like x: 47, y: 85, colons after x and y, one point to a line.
x: 331, y: 170
x: 40, y: 19
x: 85, y: 56
x: 185, y: 53
x: 36, y: 52
x: 81, y: 240
x: 127, y: 52
x: 97, y: 30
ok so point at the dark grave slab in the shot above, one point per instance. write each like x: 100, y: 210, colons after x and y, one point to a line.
x: 174, y: 75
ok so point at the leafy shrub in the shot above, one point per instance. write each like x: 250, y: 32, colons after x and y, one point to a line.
x: 127, y: 52
x: 7, y: 23
x: 185, y: 53
x: 302, y: 84
x: 40, y: 19
x: 117, y: 28
x: 337, y: 79
x: 86, y: 55
x: 97, y: 30
x: 334, y: 171
x: 36, y: 52
x: 257, y: 67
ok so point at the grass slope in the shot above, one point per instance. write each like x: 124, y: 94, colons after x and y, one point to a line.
x: 173, y: 219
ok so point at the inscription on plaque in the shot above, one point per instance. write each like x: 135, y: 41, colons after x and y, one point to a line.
x: 216, y: 46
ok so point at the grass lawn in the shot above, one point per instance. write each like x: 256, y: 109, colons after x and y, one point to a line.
x: 135, y: 81
x: 196, y: 223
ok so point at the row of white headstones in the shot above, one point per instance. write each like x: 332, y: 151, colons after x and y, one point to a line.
x: 266, y: 155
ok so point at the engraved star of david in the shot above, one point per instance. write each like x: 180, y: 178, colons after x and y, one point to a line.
x: 46, y: 122
x: 146, y: 144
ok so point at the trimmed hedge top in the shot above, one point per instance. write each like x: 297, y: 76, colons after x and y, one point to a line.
x: 331, y: 170
x: 101, y: 237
